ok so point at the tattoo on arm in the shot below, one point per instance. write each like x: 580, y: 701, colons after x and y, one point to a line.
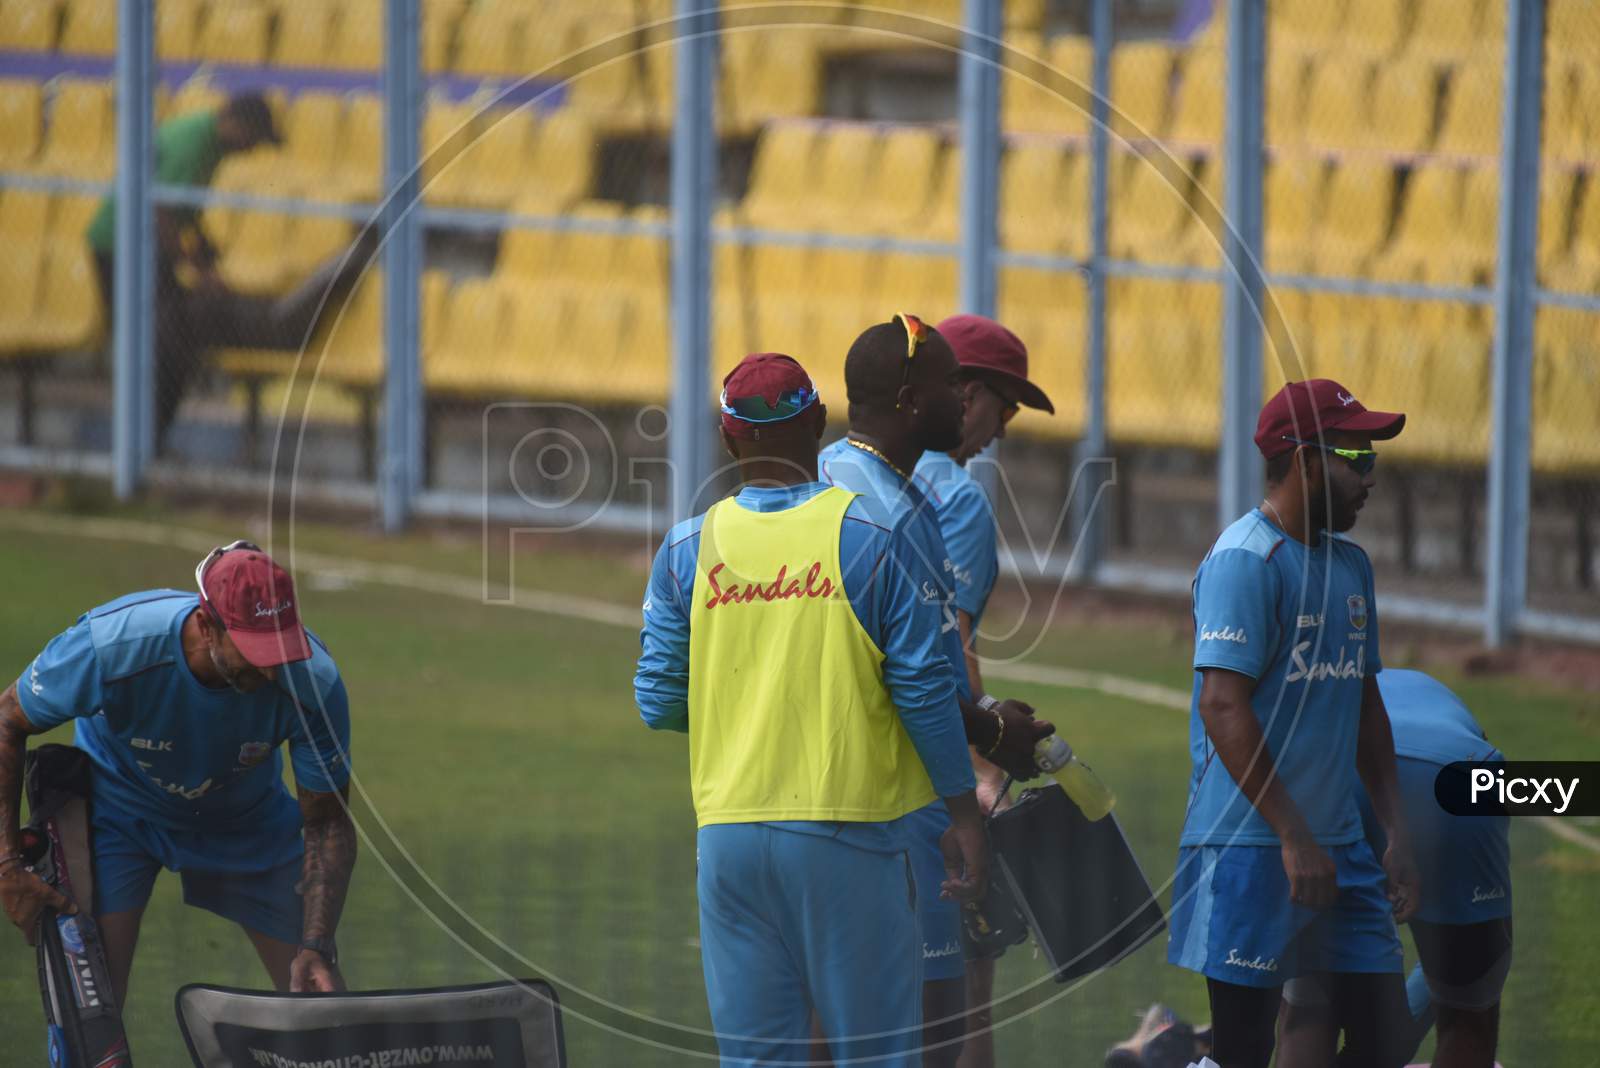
x: 330, y: 836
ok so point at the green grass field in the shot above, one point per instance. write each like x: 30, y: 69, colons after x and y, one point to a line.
x: 519, y: 819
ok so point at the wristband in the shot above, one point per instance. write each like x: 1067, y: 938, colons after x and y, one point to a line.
x: 1000, y: 722
x: 987, y: 703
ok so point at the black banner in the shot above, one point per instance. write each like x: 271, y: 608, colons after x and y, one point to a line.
x: 1519, y: 788
x: 492, y: 1041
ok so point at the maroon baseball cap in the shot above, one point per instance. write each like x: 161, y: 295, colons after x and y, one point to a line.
x: 255, y: 600
x: 765, y: 387
x: 983, y: 344
x: 1305, y: 409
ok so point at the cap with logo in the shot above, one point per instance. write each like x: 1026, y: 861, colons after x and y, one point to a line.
x: 254, y: 598
x: 1305, y: 409
x: 982, y: 344
x: 764, y: 388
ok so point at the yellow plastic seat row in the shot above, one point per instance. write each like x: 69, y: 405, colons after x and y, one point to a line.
x: 29, y: 25
x: 1566, y: 399
x: 53, y: 297
x: 79, y: 132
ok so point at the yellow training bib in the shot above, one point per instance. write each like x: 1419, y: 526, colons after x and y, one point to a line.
x: 789, y: 718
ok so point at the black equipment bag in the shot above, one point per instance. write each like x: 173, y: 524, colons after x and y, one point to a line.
x: 82, y: 1019
x: 1072, y: 882
x: 506, y: 1025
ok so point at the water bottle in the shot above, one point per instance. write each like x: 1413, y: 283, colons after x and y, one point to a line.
x: 1056, y: 759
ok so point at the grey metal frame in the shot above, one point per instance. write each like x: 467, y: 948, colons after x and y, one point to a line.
x: 1514, y: 296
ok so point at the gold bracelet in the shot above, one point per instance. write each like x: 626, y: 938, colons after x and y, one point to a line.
x: 999, y: 719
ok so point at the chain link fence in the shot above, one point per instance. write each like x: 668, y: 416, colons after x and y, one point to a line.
x: 545, y: 301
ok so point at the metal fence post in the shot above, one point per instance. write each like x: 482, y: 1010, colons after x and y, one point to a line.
x: 133, y: 335
x: 1239, y: 469
x: 694, y: 188
x: 400, y: 472
x: 1515, y: 282
x: 979, y: 115
x: 1090, y: 524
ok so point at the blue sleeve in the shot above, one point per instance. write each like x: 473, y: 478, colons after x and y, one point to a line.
x: 64, y: 681
x: 917, y: 667
x: 661, y: 682
x: 1235, y: 609
x: 966, y: 523
x: 319, y: 745
x: 1374, y: 659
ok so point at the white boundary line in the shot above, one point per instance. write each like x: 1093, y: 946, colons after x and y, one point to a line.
x: 593, y: 610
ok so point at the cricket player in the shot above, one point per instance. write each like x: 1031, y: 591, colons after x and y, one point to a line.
x: 786, y: 632
x: 906, y: 398
x: 1462, y: 926
x: 181, y: 701
x: 994, y: 373
x: 1275, y: 879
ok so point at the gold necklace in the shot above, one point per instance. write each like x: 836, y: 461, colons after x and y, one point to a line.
x: 864, y: 447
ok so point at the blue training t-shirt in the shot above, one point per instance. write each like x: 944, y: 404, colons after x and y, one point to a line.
x: 167, y: 748
x: 1429, y: 721
x: 1301, y: 621
x: 891, y: 501
x: 966, y: 523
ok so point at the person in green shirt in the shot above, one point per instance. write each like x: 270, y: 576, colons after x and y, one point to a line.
x: 195, y: 310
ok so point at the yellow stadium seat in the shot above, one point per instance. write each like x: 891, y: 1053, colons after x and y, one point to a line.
x: 1035, y: 212
x: 24, y: 222
x: 777, y: 76
x: 1557, y: 189
x: 922, y: 285
x: 489, y: 41
x: 70, y: 214
x: 305, y: 35
x: 1162, y: 376
x: 491, y: 171
x: 1304, y: 25
x: 199, y: 93
x: 90, y: 28
x: 21, y: 122
x: 471, y: 344
x: 539, y: 330
x: 313, y: 130
x: 235, y: 31
x: 1029, y: 293
x: 358, y: 40
x: 1375, y: 27
x: 177, y: 29
x: 779, y: 273
x: 1566, y: 396
x: 595, y: 339
x: 1293, y: 195
x: 253, y: 261
x: 1447, y: 404
x: 641, y: 368
x: 1430, y: 210
x: 779, y: 175
x: 1584, y: 256
x: 1141, y: 87
x: 348, y: 349
x: 644, y: 261
x: 1197, y: 116
x: 899, y: 189
x: 1355, y: 222
x: 68, y: 314
x: 528, y: 256
x: 1404, y: 101
x: 359, y: 156
x: 1055, y: 341
x: 313, y: 241
x: 563, y: 162
x: 842, y: 170
x: 589, y: 259
x: 1024, y: 14
x: 81, y: 139
x: 1049, y: 100
x: 1150, y: 209
x: 439, y: 19
x: 1570, y: 28
x: 447, y: 129
x: 1583, y: 129
x: 1286, y: 95
x: 1466, y: 254
x: 1337, y: 102
x: 1471, y: 124
x: 1200, y: 243
x: 1445, y: 30
x: 29, y: 25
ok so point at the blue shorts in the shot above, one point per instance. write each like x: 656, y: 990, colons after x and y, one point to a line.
x: 1464, y: 861
x: 217, y: 869
x: 792, y: 922
x: 940, y: 920
x: 1232, y: 919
